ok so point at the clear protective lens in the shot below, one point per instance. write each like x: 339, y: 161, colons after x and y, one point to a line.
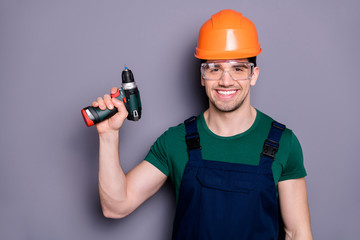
x: 237, y: 70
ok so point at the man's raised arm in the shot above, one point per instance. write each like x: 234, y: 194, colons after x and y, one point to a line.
x: 121, y: 193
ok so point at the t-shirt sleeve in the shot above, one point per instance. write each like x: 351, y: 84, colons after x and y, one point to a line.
x: 157, y: 155
x: 294, y: 167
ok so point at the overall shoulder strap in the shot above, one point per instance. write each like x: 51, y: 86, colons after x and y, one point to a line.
x: 271, y: 144
x: 192, y: 139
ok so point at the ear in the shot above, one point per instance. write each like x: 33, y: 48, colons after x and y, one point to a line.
x: 254, y: 76
x: 202, y: 82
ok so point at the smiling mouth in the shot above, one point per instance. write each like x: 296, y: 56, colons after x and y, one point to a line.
x: 226, y: 93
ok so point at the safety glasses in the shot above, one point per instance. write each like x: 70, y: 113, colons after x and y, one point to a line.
x: 237, y: 70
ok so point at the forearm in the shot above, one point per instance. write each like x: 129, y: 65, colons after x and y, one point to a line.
x: 295, y: 209
x: 112, y: 179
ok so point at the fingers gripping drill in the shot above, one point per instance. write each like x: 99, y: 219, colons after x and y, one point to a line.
x: 128, y: 94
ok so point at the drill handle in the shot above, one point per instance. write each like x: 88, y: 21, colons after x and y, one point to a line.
x: 94, y: 115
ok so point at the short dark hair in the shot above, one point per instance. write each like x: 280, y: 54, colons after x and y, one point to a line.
x: 250, y: 59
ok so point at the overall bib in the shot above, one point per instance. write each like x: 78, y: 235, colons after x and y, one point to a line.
x: 220, y: 200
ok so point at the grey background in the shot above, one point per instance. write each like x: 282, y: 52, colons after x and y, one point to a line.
x: 58, y: 56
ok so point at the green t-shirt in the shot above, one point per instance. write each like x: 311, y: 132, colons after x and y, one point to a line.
x: 169, y: 152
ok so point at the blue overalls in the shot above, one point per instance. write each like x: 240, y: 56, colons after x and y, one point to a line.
x: 220, y: 200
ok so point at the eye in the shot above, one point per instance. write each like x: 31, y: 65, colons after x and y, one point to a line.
x: 214, y: 70
x: 239, y: 69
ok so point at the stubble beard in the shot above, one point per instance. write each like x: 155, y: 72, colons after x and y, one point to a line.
x: 230, y: 108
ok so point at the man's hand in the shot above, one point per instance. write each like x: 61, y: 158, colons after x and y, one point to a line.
x: 114, y: 123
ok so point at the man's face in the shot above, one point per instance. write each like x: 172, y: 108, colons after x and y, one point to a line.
x: 227, y: 94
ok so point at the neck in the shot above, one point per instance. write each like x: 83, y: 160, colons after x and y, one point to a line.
x: 228, y: 124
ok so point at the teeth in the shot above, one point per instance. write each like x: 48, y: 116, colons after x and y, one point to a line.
x: 226, y: 92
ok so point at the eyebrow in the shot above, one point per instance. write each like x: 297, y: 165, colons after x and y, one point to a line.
x: 218, y: 65
x: 241, y: 65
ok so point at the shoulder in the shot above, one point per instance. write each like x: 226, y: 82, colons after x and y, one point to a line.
x: 174, y: 137
x: 167, y: 145
x: 174, y: 132
x: 289, y: 158
x: 289, y: 143
x: 265, y: 122
x: 180, y: 129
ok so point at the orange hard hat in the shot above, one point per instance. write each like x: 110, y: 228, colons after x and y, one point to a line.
x: 227, y: 35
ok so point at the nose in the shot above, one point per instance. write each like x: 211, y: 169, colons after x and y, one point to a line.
x: 226, y: 79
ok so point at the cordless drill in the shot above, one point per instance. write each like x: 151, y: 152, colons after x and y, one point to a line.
x: 128, y: 94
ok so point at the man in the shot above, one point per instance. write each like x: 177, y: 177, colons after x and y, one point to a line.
x: 230, y: 166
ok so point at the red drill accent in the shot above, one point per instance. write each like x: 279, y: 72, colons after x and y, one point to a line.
x: 115, y: 95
